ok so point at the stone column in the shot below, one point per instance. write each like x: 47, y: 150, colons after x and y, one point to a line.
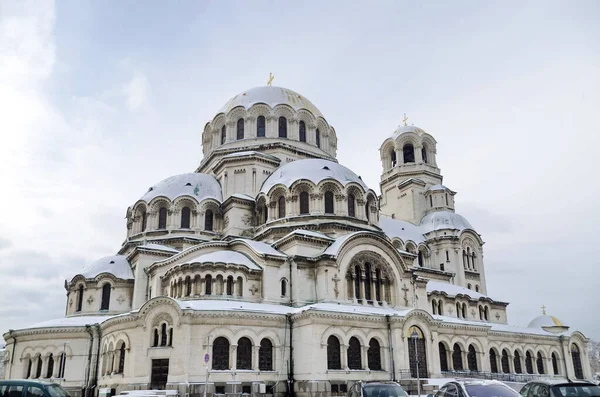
x: 362, y: 291
x: 364, y: 357
x: 233, y: 356
x: 344, y: 356
x: 255, y: 357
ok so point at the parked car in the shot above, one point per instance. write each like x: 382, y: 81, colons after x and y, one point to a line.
x: 476, y: 388
x: 31, y: 388
x: 376, y: 389
x: 560, y: 388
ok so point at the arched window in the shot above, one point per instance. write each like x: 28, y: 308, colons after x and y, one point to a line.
x: 239, y: 286
x: 504, y: 362
x: 420, y: 258
x: 155, y: 343
x: 220, y: 352
x: 464, y: 310
x: 185, y: 217
x: 576, y: 357
x: 162, y: 218
x: 223, y: 134
x: 304, y: 208
x: 443, y: 357
x: 170, y: 336
x: 240, y: 129
x: 333, y: 353
x: 457, y: 362
x: 528, y: 363
x: 302, y: 131
x: 368, y: 282
x: 464, y: 259
x: 260, y: 126
x: 318, y: 138
x: 378, y: 283
x: 329, y: 202
x: 265, y: 355
x: 230, y: 285
x: 416, y: 352
x: 367, y: 214
x: 517, y: 362
x: 208, y: 220
x: 281, y: 205
x: 493, y: 361
x: 446, y: 199
x: 29, y: 365
x: 554, y: 364
x: 79, y: 298
x: 354, y: 354
x: 357, y: 283
x: 283, y: 287
x: 424, y: 154
x: 188, y: 286
x: 104, y: 304
x: 121, y: 359
x: 431, y: 201
x: 50, y: 368
x: 163, y: 334
x: 282, y: 127
x: 374, y: 355
x: 480, y: 313
x: 351, y: 205
x: 540, y: 364
x: 486, y: 313
x: 473, y: 258
x: 472, y: 358
x: 208, y: 284
x: 393, y: 157
x: 440, y: 308
x: 409, y: 153
x: 477, y: 288
x: 244, y: 354
x: 458, y: 310
x: 38, y: 370
x: 61, y: 362
x: 144, y: 221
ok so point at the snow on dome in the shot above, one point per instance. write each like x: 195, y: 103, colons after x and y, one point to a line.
x: 116, y: 265
x: 443, y: 220
x: 271, y: 96
x: 407, y: 128
x: 401, y: 229
x: 545, y: 321
x: 200, y: 186
x: 314, y: 170
x: 226, y: 256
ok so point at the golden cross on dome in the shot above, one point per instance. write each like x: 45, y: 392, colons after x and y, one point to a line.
x: 405, y: 119
x: 543, y: 310
x: 271, y: 77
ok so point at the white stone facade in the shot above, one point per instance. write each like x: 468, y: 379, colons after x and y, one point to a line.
x: 288, y: 271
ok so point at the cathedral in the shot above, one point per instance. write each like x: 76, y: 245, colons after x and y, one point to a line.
x: 272, y: 269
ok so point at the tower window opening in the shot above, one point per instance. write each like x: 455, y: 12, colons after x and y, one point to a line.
x: 281, y: 206
x: 329, y: 202
x: 302, y: 131
x: 304, y: 207
x: 424, y: 154
x: 393, y: 156
x: 282, y: 127
x: 223, y: 134
x: 318, y: 138
x: 260, y: 126
x: 240, y: 129
x: 409, y: 153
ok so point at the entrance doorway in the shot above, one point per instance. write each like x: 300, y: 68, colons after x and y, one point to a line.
x: 160, y: 374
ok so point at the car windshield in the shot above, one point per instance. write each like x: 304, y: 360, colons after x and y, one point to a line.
x: 383, y: 391
x: 576, y: 390
x: 491, y: 391
x: 57, y: 391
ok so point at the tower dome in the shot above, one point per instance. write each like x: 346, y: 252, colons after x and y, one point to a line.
x: 548, y: 323
x: 197, y: 185
x: 117, y: 265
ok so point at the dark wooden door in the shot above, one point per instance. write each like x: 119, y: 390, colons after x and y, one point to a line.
x: 160, y: 373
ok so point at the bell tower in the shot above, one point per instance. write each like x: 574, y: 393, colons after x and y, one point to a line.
x: 409, y: 165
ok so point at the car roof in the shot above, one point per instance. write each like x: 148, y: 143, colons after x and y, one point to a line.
x: 553, y: 382
x: 377, y: 382
x: 25, y: 382
x: 481, y: 382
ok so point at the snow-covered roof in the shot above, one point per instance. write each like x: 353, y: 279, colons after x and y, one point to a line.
x: 158, y: 247
x: 197, y: 185
x: 271, y: 96
x: 226, y: 256
x: 262, y: 248
x: 453, y: 290
x: 243, y: 196
x: 438, y: 187
x: 545, y: 321
x: 250, y: 153
x: 314, y: 170
x: 309, y: 233
x: 233, y: 305
x: 494, y: 326
x: 74, y: 321
x: 401, y: 229
x: 334, y: 248
x: 116, y: 265
x: 443, y: 220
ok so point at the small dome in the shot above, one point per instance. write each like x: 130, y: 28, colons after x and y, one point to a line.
x: 199, y: 186
x: 116, y: 265
x: 544, y: 321
x: 314, y: 170
x: 271, y: 96
x: 407, y: 128
x: 438, y: 220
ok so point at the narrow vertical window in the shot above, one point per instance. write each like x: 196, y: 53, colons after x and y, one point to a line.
x: 443, y: 357
x: 155, y: 342
x: 38, y: 371
x: 162, y: 218
x: 409, y: 153
x: 208, y: 284
x: 554, y: 364
x: 504, y: 361
x: 244, y: 354
x: 333, y: 353
x: 29, y: 365
x: 378, y: 285
x: 431, y: 201
x: 368, y: 282
x: 230, y: 285
x: 318, y: 138
x: 351, y: 205
x: 265, y: 355
x: 121, y: 359
x: 424, y: 154
x: 260, y: 126
x: 240, y: 129
x: 328, y: 202
x: 144, y: 221
x: 208, y: 220
x: 220, y: 358
x: 304, y: 207
x: 171, y: 336
x: 357, y: 283
x: 367, y: 211
x: 302, y: 131
x: 457, y: 358
x: 80, y: 298
x: 50, y: 368
x: 163, y: 334
x: 283, y: 287
x: 446, y: 198
x: 472, y: 358
x: 393, y: 157
x: 185, y: 217
x: 105, y: 297
x: 447, y: 256
x: 493, y: 361
x: 420, y: 258
x: 354, y: 354
x: 281, y: 202
x: 223, y: 134
x: 517, y: 362
x: 282, y: 127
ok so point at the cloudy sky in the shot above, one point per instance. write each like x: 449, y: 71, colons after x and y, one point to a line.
x: 100, y: 100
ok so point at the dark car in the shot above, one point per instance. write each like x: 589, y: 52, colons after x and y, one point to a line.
x: 476, y: 388
x: 376, y: 389
x: 30, y: 388
x: 560, y: 388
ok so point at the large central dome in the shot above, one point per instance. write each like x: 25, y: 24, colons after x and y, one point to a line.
x: 271, y: 96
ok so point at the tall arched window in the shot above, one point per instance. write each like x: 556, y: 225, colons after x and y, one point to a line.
x: 283, y: 287
x: 155, y: 342
x: 440, y: 308
x: 208, y: 284
x: 517, y: 362
x: 282, y: 127
x: 230, y: 285
x: 354, y: 354
x: 244, y: 354
x: 576, y: 358
x: 144, y: 221
x: 493, y: 361
x: 38, y: 370
x: 540, y: 364
x: 473, y: 259
x: 318, y: 138
x: 122, y: 359
x: 378, y: 283
x: 185, y: 217
x: 329, y: 202
x: 220, y: 352
x: 457, y: 361
x: 188, y: 286
x: 416, y: 352
x: 240, y: 129
x: 374, y: 355
x: 393, y: 157
x: 50, y: 368
x: 260, y: 126
x: 61, y: 365
x: 333, y: 353
x: 208, y: 220
x: 163, y: 334
x: 357, y: 283
x: 223, y: 134
x: 458, y: 310
x: 424, y: 154
x: 554, y: 364
x: 265, y: 355
x: 367, y: 213
x: 351, y: 205
x: 472, y: 358
x: 162, y: 218
x: 239, y: 286
x: 409, y: 153
x: 464, y: 310
x: 302, y: 131
x: 80, y: 298
x: 420, y: 258
x: 304, y: 207
x: 29, y: 365
x: 281, y: 206
x: 105, y: 303
x: 443, y: 356
x: 368, y: 282
x: 464, y: 259
x: 504, y: 361
x: 528, y: 363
